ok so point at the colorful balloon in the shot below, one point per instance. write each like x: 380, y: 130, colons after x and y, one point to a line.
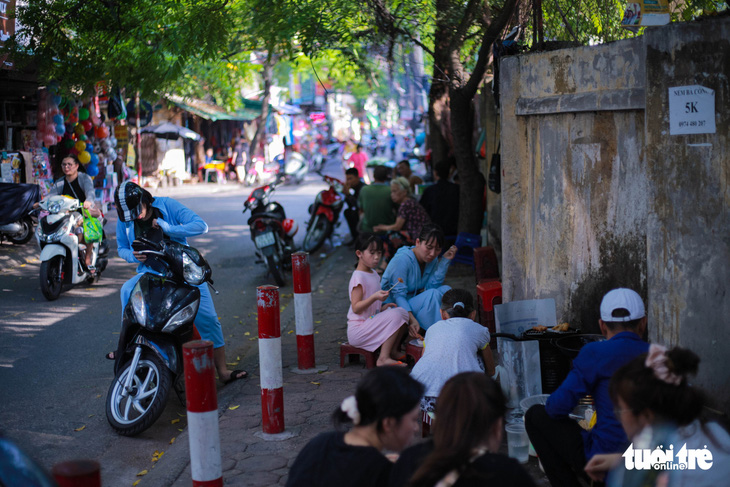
x: 80, y: 146
x: 58, y: 119
x: 101, y: 132
x: 92, y: 170
x: 61, y: 128
x: 83, y: 114
x: 94, y: 159
x: 87, y: 124
x: 68, y: 143
x: 84, y: 157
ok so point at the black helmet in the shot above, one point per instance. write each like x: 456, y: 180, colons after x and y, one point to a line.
x: 128, y: 199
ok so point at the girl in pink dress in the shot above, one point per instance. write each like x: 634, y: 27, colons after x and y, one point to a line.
x: 369, y: 326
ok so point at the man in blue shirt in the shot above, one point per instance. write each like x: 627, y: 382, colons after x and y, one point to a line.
x: 561, y: 444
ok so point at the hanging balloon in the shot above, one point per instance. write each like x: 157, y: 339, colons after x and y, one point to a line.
x: 57, y: 99
x: 111, y: 154
x: 80, y: 146
x: 87, y: 124
x: 79, y: 129
x: 101, y: 132
x: 74, y: 151
x: 83, y: 137
x: 68, y: 143
x: 58, y: 119
x: 83, y: 114
x: 89, y: 147
x: 94, y: 159
x: 84, y: 157
x: 92, y: 170
x: 113, y: 141
x: 60, y: 128
x: 105, y: 145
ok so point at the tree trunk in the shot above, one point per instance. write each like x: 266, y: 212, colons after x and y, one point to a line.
x: 439, y: 111
x: 261, y: 121
x: 471, y: 180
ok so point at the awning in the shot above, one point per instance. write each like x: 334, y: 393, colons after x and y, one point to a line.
x: 212, y: 112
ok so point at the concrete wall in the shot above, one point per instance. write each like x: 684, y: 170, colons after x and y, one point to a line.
x: 596, y: 194
x: 688, y: 236
x: 574, y: 192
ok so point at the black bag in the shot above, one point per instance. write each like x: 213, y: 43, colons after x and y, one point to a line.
x: 495, y: 173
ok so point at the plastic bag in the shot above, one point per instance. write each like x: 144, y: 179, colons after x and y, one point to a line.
x: 92, y: 228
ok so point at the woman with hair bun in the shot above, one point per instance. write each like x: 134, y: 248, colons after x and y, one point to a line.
x: 385, y: 416
x: 467, y: 435
x: 452, y: 345
x: 659, y: 408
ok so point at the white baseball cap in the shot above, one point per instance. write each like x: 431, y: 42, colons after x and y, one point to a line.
x: 622, y: 298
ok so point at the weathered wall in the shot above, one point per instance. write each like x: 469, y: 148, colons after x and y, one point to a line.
x: 575, y: 190
x: 597, y: 194
x: 688, y: 236
x: 490, y: 121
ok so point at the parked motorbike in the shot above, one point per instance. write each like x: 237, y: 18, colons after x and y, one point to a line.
x: 261, y: 172
x: 293, y: 169
x: 271, y: 231
x: 325, y: 213
x: 17, y: 216
x: 328, y: 155
x: 62, y: 256
x: 157, y: 321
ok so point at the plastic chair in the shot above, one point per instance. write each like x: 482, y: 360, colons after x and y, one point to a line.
x: 466, y: 242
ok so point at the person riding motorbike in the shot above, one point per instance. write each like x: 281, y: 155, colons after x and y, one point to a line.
x: 140, y: 214
x: 80, y: 186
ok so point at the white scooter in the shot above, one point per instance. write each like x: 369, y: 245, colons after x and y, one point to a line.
x: 62, y: 259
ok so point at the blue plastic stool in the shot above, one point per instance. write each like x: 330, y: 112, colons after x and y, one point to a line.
x: 466, y: 242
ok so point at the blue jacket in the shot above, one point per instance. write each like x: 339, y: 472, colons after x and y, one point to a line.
x: 405, y: 266
x: 177, y: 222
x: 591, y: 373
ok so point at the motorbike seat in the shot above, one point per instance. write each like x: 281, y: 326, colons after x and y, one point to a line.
x: 265, y: 214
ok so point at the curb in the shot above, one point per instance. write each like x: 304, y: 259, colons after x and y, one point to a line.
x: 177, y: 457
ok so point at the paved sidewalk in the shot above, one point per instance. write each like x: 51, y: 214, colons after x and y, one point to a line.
x: 309, y: 400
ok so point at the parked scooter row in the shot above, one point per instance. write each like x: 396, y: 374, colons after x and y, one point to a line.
x: 17, y: 216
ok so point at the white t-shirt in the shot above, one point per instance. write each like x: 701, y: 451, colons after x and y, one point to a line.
x: 450, y: 347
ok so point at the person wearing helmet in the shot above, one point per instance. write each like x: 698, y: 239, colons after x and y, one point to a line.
x: 157, y: 218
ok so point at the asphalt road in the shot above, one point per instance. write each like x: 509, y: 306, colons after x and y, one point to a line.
x: 53, y: 375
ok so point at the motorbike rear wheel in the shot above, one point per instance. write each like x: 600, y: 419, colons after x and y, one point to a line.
x: 277, y: 270
x: 25, y: 235
x: 51, y: 281
x: 132, y: 414
x: 317, y: 233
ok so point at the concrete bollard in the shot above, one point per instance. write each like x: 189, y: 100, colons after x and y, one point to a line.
x: 202, y: 405
x: 303, y: 310
x: 272, y: 391
x: 77, y: 473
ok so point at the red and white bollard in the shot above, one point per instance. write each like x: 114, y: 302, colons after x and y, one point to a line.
x: 272, y: 391
x: 77, y: 473
x: 202, y: 404
x: 303, y: 310
x: 303, y: 314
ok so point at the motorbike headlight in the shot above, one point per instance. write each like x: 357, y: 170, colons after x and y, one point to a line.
x: 192, y: 272
x: 185, y: 315
x: 138, y: 306
x: 54, y: 207
x: 57, y: 235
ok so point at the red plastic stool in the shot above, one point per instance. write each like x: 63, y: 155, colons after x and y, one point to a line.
x: 353, y: 354
x: 489, y: 293
x: 414, y: 351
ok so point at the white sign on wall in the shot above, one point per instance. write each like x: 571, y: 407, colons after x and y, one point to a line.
x: 691, y: 110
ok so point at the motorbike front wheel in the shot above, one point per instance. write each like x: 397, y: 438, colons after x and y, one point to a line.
x: 132, y: 414
x: 25, y: 235
x: 51, y: 277
x: 317, y: 232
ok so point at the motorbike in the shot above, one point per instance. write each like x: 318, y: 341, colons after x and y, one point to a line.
x: 328, y: 155
x: 292, y: 170
x: 157, y: 321
x: 62, y: 256
x: 325, y: 213
x: 271, y: 231
x: 17, y: 216
x: 261, y: 172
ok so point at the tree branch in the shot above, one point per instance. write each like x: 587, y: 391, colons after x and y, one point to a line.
x: 491, y: 35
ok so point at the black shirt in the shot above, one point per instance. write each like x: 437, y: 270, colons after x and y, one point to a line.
x: 327, y: 461
x: 441, y: 201
x: 490, y: 469
x: 73, y: 190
